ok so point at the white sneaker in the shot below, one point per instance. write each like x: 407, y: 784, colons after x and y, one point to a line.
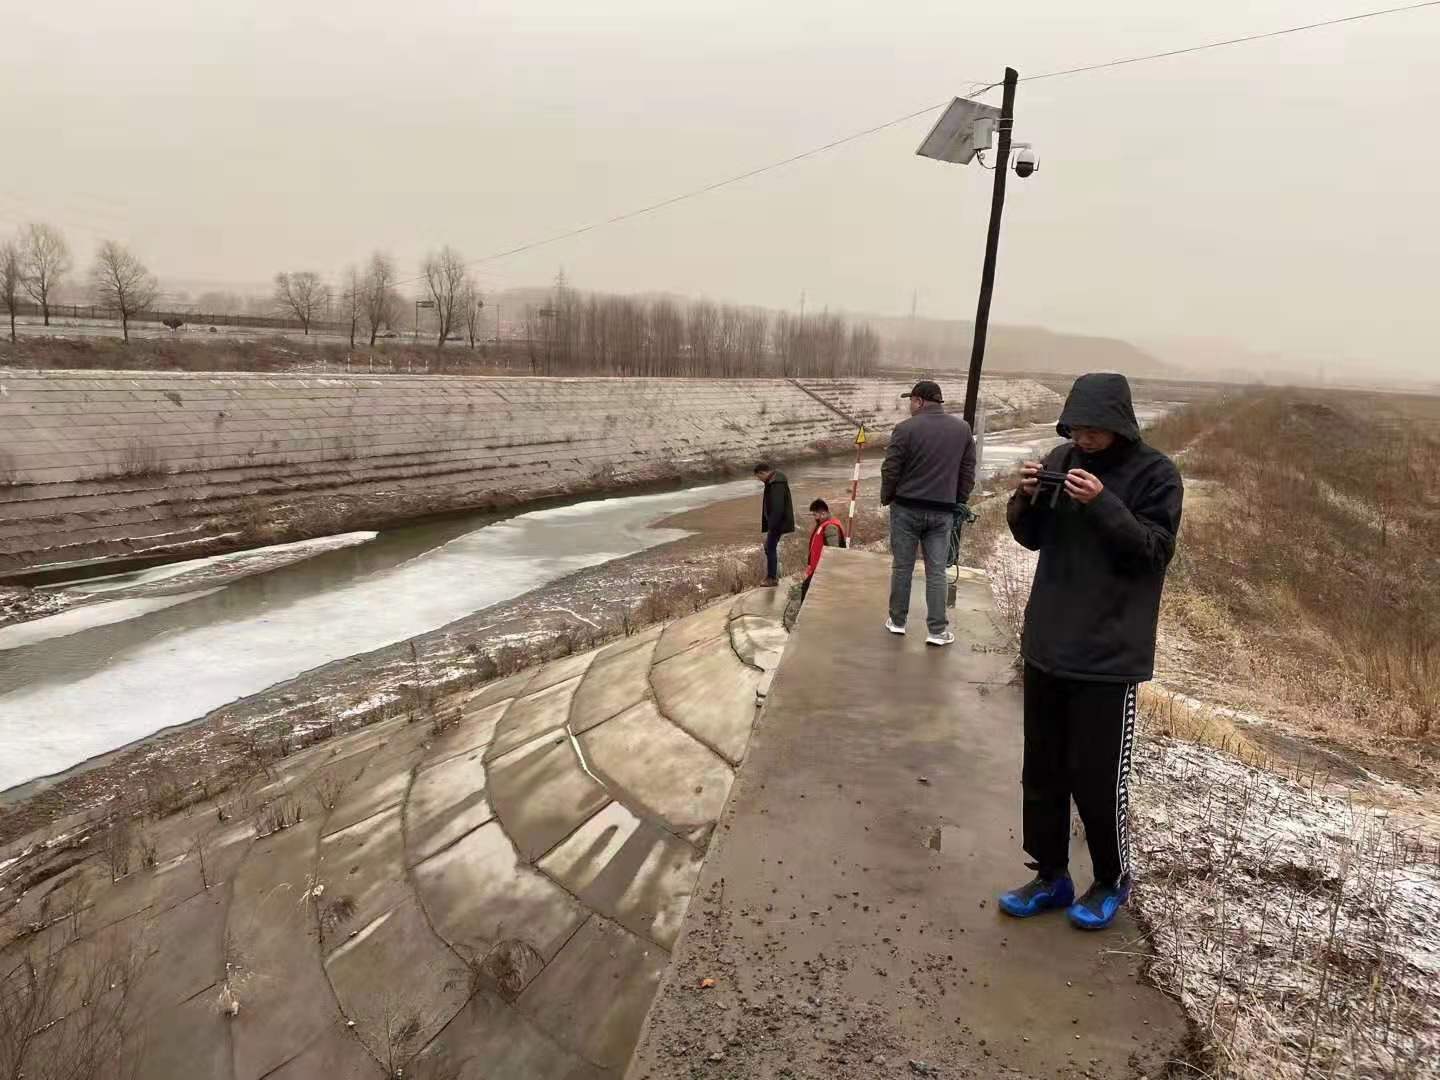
x: 946, y: 638
x: 890, y: 625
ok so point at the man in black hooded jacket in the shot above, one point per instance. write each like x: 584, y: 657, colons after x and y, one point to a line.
x: 1089, y: 639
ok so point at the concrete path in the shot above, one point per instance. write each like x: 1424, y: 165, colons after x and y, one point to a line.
x: 846, y: 913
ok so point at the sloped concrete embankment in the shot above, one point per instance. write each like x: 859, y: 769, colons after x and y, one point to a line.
x: 121, y: 464
x: 495, y: 896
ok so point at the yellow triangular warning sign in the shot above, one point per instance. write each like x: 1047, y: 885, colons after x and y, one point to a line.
x: 860, y: 437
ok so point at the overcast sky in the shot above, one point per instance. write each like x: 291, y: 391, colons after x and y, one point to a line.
x: 1281, y: 195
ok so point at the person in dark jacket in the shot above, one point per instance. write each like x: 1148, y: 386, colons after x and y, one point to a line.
x: 1089, y: 640
x: 777, y: 516
x: 929, y: 468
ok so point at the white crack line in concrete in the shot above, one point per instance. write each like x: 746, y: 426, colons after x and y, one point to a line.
x: 580, y: 755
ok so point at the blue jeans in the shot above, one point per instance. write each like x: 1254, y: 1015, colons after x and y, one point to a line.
x: 929, y: 530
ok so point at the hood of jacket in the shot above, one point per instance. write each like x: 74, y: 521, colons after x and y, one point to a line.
x: 1100, y: 401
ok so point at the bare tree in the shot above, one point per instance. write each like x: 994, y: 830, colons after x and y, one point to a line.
x: 471, y: 304
x: 627, y: 333
x: 786, y: 338
x: 445, y: 280
x: 381, y: 302
x: 10, y: 283
x: 702, y: 332
x: 72, y: 1014
x: 667, y: 324
x: 754, y: 330
x: 120, y: 281
x: 352, y: 300
x: 863, y: 355
x: 303, y: 295
x: 44, y: 260
x: 118, y: 843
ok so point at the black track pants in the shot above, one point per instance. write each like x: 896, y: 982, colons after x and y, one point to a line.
x: 1078, y: 738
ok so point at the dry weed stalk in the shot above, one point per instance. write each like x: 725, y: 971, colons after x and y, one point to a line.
x: 72, y: 1013
x: 397, y: 1026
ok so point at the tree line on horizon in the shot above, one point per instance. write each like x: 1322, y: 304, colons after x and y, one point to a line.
x: 600, y: 334
x: 572, y: 333
x: 35, y: 263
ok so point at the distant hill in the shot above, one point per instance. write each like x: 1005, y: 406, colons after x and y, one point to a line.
x: 944, y: 344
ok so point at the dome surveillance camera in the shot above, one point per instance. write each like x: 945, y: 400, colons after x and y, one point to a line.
x: 1026, y: 162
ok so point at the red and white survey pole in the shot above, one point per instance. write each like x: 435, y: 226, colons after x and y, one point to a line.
x: 855, y: 482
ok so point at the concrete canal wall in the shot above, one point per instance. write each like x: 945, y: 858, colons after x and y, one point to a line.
x: 125, y: 464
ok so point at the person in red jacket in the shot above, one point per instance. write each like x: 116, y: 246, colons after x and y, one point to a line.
x: 828, y: 532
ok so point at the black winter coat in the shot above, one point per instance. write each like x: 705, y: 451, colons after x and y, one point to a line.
x: 1095, y: 602
x: 777, y: 511
x: 930, y: 462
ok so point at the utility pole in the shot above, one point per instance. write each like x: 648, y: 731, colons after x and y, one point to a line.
x: 992, y: 245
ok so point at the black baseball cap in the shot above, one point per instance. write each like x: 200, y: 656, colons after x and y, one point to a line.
x: 926, y: 391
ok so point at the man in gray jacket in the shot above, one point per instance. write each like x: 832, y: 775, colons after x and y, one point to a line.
x: 929, y: 468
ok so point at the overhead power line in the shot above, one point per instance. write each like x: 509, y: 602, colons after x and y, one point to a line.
x: 1233, y: 41
x: 706, y: 189
x: 977, y: 88
x: 983, y: 88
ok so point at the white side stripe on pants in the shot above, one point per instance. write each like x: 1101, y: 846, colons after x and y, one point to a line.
x: 1122, y: 778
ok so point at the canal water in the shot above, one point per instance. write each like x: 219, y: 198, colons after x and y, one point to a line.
x: 97, y: 677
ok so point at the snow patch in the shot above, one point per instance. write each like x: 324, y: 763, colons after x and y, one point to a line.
x: 1296, y: 924
x: 276, y: 553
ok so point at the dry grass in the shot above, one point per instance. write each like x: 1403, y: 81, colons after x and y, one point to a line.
x: 139, y: 460
x: 1173, y: 716
x: 1176, y: 431
x: 508, y: 966
x: 262, y: 354
x: 987, y: 543
x: 1318, y: 554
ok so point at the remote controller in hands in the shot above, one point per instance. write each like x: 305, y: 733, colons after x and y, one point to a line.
x: 1050, y: 484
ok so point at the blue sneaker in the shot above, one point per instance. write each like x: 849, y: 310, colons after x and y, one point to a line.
x: 1097, y: 908
x: 1042, y: 894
